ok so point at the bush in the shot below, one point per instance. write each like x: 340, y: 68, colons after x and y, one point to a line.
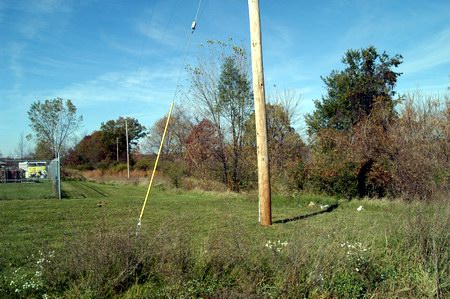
x: 422, y: 137
x: 144, y: 164
x: 404, y: 155
x: 341, y: 181
x: 118, y: 167
x: 174, y: 170
x: 332, y: 170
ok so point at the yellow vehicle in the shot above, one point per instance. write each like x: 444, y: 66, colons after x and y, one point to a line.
x: 34, y: 169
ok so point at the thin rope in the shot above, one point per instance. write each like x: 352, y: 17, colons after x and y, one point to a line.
x: 168, y: 118
x: 155, y: 166
x: 187, y: 49
x: 198, y: 9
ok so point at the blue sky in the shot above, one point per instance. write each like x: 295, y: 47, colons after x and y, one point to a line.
x: 123, y: 58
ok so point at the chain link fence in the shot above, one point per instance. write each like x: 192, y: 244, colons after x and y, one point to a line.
x: 54, y: 174
x: 28, y: 171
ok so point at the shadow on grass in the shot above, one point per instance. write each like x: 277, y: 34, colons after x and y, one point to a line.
x: 326, y: 210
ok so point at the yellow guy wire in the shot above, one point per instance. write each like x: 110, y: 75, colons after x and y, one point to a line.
x: 156, y: 164
x: 168, y: 117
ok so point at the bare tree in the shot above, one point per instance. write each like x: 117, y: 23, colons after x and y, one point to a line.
x: 20, y: 149
x: 290, y: 101
x: 179, y: 128
x: 220, y: 93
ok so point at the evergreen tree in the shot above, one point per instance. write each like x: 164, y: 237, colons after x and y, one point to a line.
x: 352, y: 93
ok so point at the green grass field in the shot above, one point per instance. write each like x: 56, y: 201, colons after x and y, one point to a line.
x: 35, y: 190
x: 201, y: 244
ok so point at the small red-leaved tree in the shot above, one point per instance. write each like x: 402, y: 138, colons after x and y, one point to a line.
x: 203, y: 152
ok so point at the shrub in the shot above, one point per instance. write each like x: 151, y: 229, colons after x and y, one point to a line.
x: 174, y: 170
x: 118, y: 167
x: 144, y: 164
x: 332, y: 173
x: 383, y: 154
x: 422, y: 136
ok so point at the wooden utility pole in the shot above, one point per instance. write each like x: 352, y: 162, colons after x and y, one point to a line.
x: 128, y: 154
x: 117, y: 149
x: 265, y: 208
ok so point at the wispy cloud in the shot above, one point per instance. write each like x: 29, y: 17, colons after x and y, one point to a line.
x: 35, y: 17
x: 160, y: 24
x: 146, y: 85
x: 434, y: 52
x: 15, y: 50
x: 160, y: 35
x: 131, y: 50
x: 285, y: 64
x: 48, y: 6
x: 29, y: 21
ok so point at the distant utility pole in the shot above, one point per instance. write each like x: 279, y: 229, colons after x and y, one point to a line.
x: 265, y: 208
x: 59, y: 176
x: 128, y: 154
x: 117, y: 149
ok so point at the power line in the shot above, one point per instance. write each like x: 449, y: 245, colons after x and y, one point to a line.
x: 144, y: 42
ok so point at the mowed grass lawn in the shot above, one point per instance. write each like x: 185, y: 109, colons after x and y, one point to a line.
x: 36, y: 190
x: 343, y: 252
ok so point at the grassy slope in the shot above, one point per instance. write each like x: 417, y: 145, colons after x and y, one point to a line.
x: 31, y: 225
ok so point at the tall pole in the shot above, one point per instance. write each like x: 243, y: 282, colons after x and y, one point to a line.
x: 117, y: 149
x: 265, y: 209
x: 128, y: 154
x: 59, y: 176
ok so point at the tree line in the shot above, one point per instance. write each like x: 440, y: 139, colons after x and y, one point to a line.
x: 363, y: 139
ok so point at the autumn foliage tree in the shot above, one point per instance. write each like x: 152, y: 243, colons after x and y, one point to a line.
x: 102, y: 145
x: 203, y: 151
x: 88, y: 152
x: 366, y: 142
x: 179, y: 128
x: 349, y: 127
x: 220, y: 92
x: 286, y: 148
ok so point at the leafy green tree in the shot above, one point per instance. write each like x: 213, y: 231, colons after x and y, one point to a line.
x: 53, y: 122
x: 235, y: 106
x: 352, y: 93
x: 43, y: 151
x: 113, y: 131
